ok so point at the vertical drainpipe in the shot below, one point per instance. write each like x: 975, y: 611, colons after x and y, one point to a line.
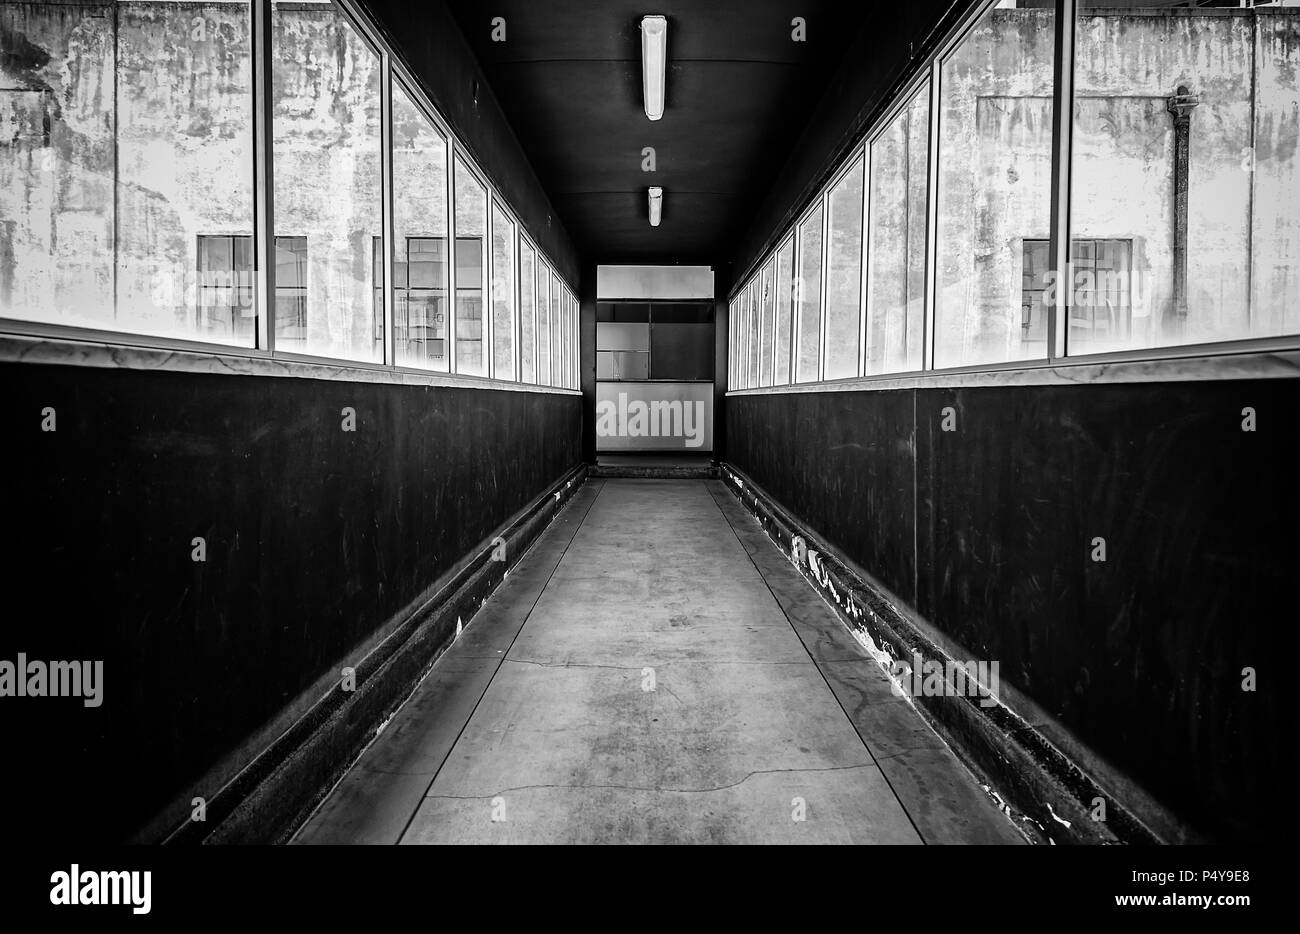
x: 1180, y: 107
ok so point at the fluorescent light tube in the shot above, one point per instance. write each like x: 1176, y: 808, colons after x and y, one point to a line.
x: 656, y: 205
x: 654, y: 61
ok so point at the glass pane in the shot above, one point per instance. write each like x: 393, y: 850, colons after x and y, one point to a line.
x: 844, y: 275
x: 543, y: 324
x: 420, y: 219
x: 808, y: 296
x: 1186, y: 190
x: 995, y: 173
x: 119, y: 120
x: 767, y: 309
x: 557, y: 363
x: 471, y: 235
x: 784, y: 312
x: 527, y: 312
x: 745, y: 334
x: 503, y: 294
x: 896, y: 253
x: 328, y: 194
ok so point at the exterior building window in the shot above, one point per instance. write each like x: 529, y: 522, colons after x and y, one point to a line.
x: 225, y: 276
x: 1101, y: 311
x: 291, y: 318
x: 226, y: 308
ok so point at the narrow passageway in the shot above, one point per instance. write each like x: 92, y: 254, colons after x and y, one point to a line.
x: 654, y: 670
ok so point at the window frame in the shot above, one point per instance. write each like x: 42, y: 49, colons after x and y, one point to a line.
x: 927, y: 77
x: 391, y: 69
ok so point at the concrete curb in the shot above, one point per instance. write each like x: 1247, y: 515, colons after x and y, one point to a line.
x: 1047, y: 794
x: 268, y: 799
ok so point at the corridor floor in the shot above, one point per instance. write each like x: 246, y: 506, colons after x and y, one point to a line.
x: 655, y: 671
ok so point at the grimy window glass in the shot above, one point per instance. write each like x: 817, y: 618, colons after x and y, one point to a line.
x: 808, y: 292
x: 327, y: 148
x: 1185, y: 218
x: 896, y: 245
x: 767, y: 312
x: 471, y: 249
x: 543, y: 324
x: 107, y: 173
x: 784, y: 312
x: 844, y: 275
x: 527, y: 312
x: 420, y: 266
x: 503, y: 294
x: 557, y: 332
x: 995, y: 183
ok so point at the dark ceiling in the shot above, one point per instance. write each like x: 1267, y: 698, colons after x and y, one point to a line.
x: 739, y: 92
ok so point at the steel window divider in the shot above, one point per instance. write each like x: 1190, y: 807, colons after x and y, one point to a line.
x: 821, y: 287
x: 1062, y: 144
x: 263, y: 176
x: 931, y: 298
x: 389, y: 354
x: 864, y: 257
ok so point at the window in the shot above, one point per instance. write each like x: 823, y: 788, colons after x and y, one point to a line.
x: 503, y: 294
x: 808, y: 289
x: 420, y: 266
x: 557, y: 332
x: 844, y: 274
x: 527, y: 312
x: 107, y: 169
x: 895, y: 327
x: 327, y: 181
x: 226, y: 308
x: 995, y: 173
x: 784, y: 312
x: 767, y: 311
x: 471, y: 236
x: 291, y: 291
x: 1181, y: 153
x: 543, y: 324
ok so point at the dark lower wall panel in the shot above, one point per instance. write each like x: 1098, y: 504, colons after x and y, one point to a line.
x: 316, y: 538
x: 843, y: 467
x: 1139, y: 656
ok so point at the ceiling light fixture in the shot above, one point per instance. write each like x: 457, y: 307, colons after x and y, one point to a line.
x: 656, y: 205
x: 654, y: 59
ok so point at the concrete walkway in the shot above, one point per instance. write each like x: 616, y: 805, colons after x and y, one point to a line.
x: 655, y: 671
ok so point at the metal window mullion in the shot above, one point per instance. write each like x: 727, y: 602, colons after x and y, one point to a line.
x: 488, y: 259
x: 928, y: 335
x: 516, y: 295
x: 1062, y: 140
x: 452, y: 298
x: 263, y: 176
x: 864, y: 254
x: 389, y: 355
x: 823, y: 289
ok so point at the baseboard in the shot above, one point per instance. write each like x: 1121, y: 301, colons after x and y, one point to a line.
x: 1050, y: 795
x: 270, y: 796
